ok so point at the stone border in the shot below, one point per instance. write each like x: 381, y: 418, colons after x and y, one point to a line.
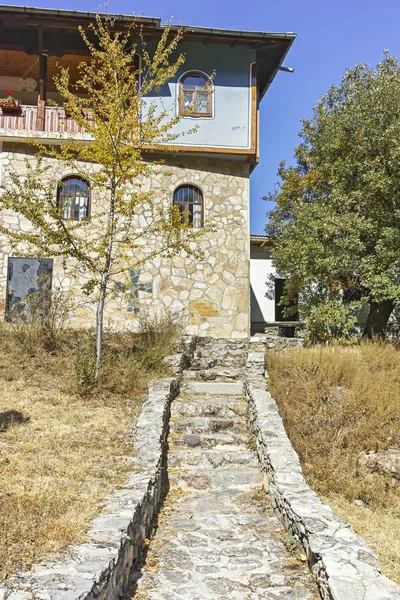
x: 272, y: 342
x: 344, y: 567
x: 99, y: 569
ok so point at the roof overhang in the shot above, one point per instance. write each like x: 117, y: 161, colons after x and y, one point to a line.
x: 271, y: 48
x: 259, y: 240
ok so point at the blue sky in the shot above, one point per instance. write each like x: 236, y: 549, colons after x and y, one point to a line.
x: 332, y: 35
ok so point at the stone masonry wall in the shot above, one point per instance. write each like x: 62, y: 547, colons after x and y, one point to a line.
x: 212, y: 295
x: 276, y: 343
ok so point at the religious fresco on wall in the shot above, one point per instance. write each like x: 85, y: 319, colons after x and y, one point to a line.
x: 131, y: 290
x: 28, y: 287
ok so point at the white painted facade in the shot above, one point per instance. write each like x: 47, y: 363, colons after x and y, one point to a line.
x: 262, y: 308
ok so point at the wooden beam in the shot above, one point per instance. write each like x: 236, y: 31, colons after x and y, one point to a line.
x: 254, y: 114
x: 42, y: 82
x: 43, y: 76
x: 246, y: 153
x: 42, y: 66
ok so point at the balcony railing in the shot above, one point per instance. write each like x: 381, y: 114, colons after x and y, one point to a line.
x: 32, y: 119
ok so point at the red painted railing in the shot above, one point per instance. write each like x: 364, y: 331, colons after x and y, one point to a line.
x: 55, y: 121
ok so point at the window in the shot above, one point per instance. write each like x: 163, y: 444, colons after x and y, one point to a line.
x: 195, y: 95
x: 189, y: 199
x: 73, y: 198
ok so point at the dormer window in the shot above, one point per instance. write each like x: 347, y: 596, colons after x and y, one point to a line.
x: 195, y: 95
x: 73, y: 198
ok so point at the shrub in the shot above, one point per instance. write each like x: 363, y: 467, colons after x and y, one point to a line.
x: 44, y: 323
x: 330, y: 321
x: 85, y: 363
x: 158, y: 336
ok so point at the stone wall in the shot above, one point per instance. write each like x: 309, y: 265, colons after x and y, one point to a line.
x: 210, y: 353
x: 212, y: 295
x: 344, y: 567
x: 273, y: 342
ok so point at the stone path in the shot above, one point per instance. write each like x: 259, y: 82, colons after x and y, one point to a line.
x: 217, y: 537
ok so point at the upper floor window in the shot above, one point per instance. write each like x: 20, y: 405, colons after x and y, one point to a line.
x: 73, y: 198
x: 189, y: 200
x: 195, y: 95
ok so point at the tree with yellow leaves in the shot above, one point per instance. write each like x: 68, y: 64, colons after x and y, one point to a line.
x: 111, y: 101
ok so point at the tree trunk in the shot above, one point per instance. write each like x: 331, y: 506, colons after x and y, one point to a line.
x: 378, y: 316
x: 99, y: 324
x: 105, y: 275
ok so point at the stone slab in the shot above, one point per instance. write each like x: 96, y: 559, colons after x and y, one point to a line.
x: 214, y: 388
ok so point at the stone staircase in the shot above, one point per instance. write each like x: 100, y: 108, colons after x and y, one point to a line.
x: 221, y: 360
x: 217, y: 537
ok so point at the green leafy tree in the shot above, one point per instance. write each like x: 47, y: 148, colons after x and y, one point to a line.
x: 335, y: 227
x: 112, y: 101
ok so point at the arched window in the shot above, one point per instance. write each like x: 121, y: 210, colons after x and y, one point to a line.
x: 195, y: 95
x: 189, y: 199
x: 73, y: 198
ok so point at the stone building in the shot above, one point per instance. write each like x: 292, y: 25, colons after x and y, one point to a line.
x: 207, y: 176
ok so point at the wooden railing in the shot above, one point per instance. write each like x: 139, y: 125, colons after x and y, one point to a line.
x: 46, y: 119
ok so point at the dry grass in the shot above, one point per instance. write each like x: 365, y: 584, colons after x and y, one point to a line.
x: 337, y: 402
x: 62, y: 453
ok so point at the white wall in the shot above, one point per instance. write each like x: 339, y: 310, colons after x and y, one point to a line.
x: 262, y: 309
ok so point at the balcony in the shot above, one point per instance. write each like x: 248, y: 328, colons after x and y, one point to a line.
x: 43, y: 121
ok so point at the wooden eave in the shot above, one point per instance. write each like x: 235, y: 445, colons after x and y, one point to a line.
x: 19, y: 30
x: 259, y: 240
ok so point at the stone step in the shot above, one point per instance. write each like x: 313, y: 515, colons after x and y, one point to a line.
x: 212, y: 388
x: 214, y: 458
x: 210, y: 352
x: 198, y: 406
x: 222, y: 478
x: 212, y: 343
x: 216, y: 440
x: 202, y: 425
x: 228, y: 400
x: 204, y: 362
x: 221, y: 374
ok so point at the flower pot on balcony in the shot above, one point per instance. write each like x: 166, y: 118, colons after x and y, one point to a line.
x: 10, y: 106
